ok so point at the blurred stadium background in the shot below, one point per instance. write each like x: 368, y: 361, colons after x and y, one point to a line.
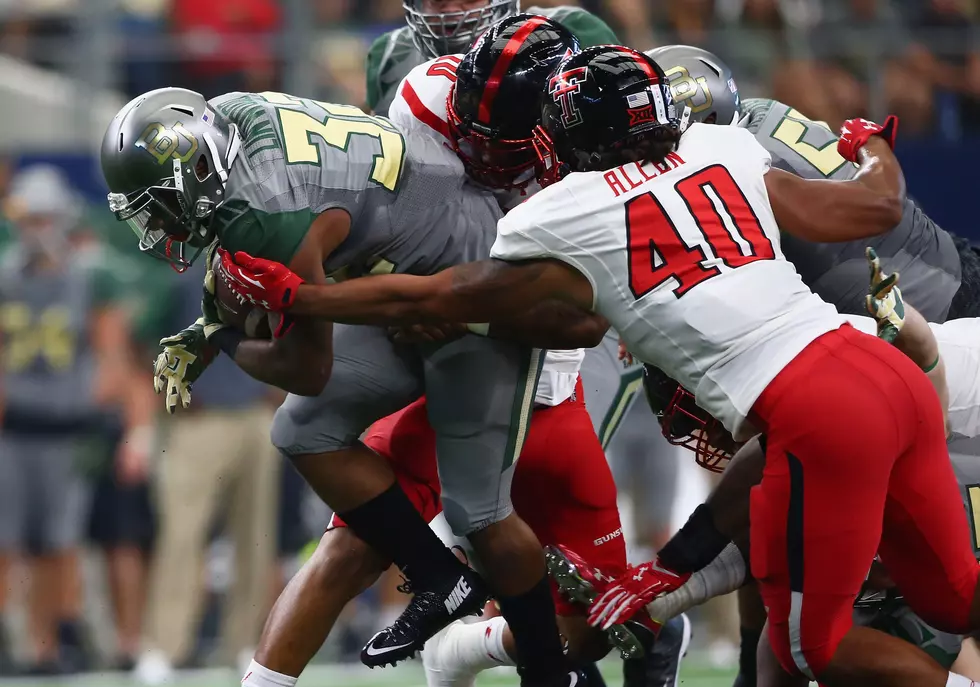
x: 236, y: 520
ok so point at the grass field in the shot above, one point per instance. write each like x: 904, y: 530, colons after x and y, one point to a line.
x: 692, y: 675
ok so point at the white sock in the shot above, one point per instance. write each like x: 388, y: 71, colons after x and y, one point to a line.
x: 724, y: 574
x: 955, y: 680
x: 260, y: 676
x: 474, y: 647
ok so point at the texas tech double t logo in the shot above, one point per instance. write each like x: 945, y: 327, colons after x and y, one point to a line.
x: 563, y: 88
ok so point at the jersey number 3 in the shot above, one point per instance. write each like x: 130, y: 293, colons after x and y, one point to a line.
x: 657, y: 252
x: 341, y: 122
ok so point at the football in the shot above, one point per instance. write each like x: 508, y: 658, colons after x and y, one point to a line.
x: 254, y: 322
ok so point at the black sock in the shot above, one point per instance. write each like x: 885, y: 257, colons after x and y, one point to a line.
x: 593, y: 678
x: 531, y: 617
x: 695, y: 545
x: 390, y: 524
x: 746, y: 655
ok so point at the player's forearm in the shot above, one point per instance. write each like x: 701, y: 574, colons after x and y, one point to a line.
x: 393, y: 299
x: 881, y: 172
x: 299, y: 363
x: 825, y: 211
x: 917, y: 341
x: 554, y: 325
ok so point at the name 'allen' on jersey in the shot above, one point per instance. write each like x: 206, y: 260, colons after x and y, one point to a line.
x: 684, y: 261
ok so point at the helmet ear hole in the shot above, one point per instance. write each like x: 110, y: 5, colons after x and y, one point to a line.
x: 711, y: 118
x: 202, y: 169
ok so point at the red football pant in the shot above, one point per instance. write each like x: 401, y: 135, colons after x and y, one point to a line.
x: 856, y: 463
x: 562, y: 488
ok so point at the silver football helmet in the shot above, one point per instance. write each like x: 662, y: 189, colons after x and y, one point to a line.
x: 443, y: 33
x: 702, y: 82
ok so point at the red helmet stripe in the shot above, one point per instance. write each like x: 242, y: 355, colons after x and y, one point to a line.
x: 503, y: 62
x: 644, y: 63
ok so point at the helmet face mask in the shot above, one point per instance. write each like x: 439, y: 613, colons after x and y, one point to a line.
x: 444, y: 33
x: 497, y: 163
x: 166, y: 157
x: 493, y: 106
x: 684, y: 423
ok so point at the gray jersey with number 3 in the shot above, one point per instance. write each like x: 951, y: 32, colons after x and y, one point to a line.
x: 917, y: 248
x: 411, y: 209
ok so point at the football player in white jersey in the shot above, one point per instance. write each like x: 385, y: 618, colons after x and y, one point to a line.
x: 948, y: 353
x: 672, y: 235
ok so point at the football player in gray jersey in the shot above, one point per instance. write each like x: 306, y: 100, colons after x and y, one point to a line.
x: 337, y: 195
x: 923, y: 252
x: 445, y: 27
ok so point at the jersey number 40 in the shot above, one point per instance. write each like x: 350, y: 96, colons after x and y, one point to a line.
x: 657, y: 251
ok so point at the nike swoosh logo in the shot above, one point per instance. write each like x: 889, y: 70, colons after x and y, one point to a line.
x: 371, y: 651
x: 251, y: 281
x: 665, y: 571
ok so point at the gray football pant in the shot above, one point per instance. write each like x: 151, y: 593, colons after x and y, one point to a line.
x: 480, y: 394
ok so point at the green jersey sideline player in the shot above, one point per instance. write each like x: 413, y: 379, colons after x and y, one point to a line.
x: 444, y: 27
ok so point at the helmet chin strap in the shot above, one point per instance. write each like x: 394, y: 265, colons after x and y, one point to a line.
x: 223, y: 163
x: 685, y: 119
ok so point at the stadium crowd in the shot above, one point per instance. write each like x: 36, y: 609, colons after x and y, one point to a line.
x: 184, y: 516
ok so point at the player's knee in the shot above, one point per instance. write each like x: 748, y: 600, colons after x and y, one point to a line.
x: 298, y: 429
x: 344, y: 561
x: 466, y: 516
x: 808, y: 651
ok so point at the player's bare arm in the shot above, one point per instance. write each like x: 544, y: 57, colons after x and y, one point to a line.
x: 300, y: 362
x: 917, y: 341
x: 823, y: 210
x: 552, y: 324
x: 491, y: 291
x: 484, y: 291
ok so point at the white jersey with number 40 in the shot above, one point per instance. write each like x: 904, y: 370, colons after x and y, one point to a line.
x: 684, y: 261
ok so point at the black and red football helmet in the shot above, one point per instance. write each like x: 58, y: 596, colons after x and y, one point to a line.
x: 686, y: 424
x: 495, y: 103
x: 599, y: 100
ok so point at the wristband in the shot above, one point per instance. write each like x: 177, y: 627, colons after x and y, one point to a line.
x: 227, y: 339
x: 932, y: 367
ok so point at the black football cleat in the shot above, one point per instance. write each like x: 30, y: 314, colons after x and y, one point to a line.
x: 427, y: 613
x: 661, y: 664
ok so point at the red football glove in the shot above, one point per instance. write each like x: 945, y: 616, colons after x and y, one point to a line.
x: 264, y: 283
x: 854, y: 135
x: 634, y: 589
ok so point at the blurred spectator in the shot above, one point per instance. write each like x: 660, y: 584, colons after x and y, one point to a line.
x: 230, y: 44
x: 143, y: 28
x: 66, y: 368
x: 122, y: 521
x: 342, y: 57
x: 945, y: 54
x: 216, y: 451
